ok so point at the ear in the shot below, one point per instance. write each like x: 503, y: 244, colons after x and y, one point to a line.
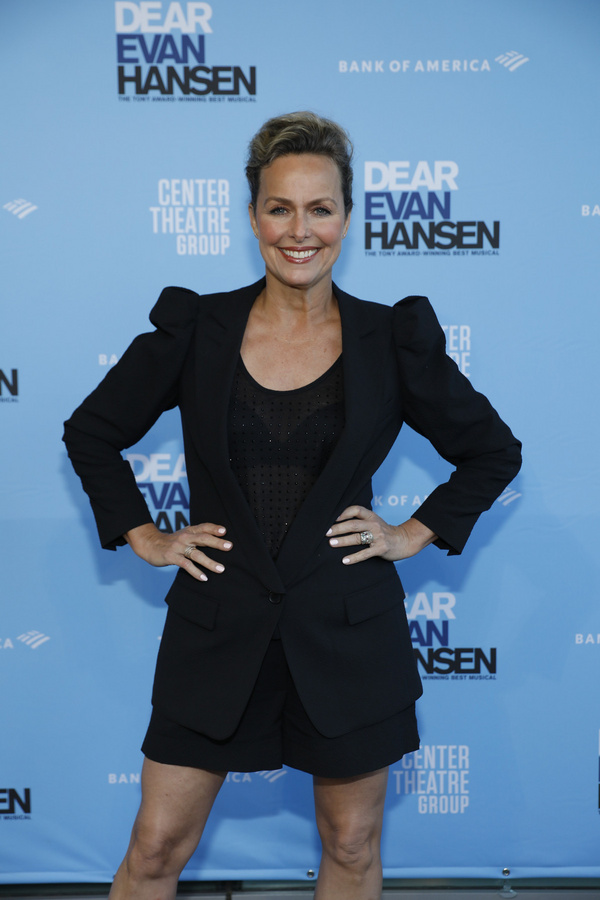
x: 347, y: 224
x: 253, y: 222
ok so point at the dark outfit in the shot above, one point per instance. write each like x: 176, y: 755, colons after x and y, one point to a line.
x: 343, y: 630
x: 279, y: 443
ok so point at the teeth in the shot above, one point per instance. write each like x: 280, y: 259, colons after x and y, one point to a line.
x: 299, y: 254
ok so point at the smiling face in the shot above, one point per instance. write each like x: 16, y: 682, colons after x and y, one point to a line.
x: 299, y: 219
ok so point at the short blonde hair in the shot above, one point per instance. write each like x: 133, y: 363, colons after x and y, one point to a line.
x: 296, y: 133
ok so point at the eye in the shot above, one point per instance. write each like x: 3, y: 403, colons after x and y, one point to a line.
x: 277, y: 211
x: 322, y: 211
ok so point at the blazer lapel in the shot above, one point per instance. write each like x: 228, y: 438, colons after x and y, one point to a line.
x: 361, y: 357
x: 218, y: 344
x: 218, y: 340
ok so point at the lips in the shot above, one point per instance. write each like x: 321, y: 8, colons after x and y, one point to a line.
x: 299, y: 256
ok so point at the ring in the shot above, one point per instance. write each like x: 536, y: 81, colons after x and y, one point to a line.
x: 366, y: 537
x: 188, y: 551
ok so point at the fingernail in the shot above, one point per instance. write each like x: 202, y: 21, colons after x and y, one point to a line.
x: 221, y: 530
x: 220, y: 568
x: 334, y: 542
x: 327, y: 533
x: 227, y: 545
x: 203, y: 577
x: 346, y: 560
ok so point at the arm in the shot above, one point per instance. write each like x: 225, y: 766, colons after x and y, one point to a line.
x: 116, y: 415
x: 123, y: 408
x: 441, y: 404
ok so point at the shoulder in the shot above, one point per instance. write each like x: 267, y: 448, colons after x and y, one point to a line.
x: 416, y: 325
x: 362, y: 313
x: 175, y: 306
x: 412, y: 304
x: 179, y: 307
x: 410, y: 318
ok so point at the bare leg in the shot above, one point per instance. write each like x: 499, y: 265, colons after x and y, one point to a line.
x: 349, y: 818
x: 176, y: 802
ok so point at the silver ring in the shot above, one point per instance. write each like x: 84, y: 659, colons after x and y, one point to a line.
x: 366, y: 537
x: 188, y: 551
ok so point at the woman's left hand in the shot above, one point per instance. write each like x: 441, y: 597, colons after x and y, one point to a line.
x: 391, y: 542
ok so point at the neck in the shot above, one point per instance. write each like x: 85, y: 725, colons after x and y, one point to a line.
x: 290, y: 307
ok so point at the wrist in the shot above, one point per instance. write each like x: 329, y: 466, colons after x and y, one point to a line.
x: 141, y: 534
x: 416, y: 535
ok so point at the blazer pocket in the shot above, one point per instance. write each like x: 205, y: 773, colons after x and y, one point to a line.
x: 193, y: 605
x: 372, y: 601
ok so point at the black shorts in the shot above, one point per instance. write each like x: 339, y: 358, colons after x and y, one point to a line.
x: 275, y: 731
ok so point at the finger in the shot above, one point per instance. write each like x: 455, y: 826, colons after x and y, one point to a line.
x: 193, y: 570
x: 346, y: 527
x: 208, y: 527
x: 353, y: 538
x: 361, y: 555
x: 352, y: 519
x: 197, y: 557
x: 353, y: 527
x: 353, y: 512
x: 205, y: 541
x: 204, y: 536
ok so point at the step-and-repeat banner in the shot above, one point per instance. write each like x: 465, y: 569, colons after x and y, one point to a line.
x: 476, y: 128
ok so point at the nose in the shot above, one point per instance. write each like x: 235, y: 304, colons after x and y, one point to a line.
x: 299, y: 228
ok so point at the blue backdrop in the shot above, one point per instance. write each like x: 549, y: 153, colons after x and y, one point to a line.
x: 477, y: 143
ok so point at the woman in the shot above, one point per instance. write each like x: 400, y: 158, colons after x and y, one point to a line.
x: 286, y: 638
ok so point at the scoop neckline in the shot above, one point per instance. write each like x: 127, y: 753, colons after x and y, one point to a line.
x: 297, y: 390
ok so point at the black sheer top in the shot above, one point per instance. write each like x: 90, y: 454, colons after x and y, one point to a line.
x: 279, y: 442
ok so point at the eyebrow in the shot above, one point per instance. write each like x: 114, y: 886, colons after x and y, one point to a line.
x: 288, y: 201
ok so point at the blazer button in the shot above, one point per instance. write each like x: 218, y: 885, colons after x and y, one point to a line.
x: 274, y: 598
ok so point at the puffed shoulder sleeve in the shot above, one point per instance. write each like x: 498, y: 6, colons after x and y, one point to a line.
x: 123, y: 408
x: 442, y: 405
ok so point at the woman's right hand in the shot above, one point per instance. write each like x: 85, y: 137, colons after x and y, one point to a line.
x: 160, y: 549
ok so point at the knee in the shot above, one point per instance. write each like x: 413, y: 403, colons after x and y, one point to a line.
x: 154, y: 854
x: 354, y: 849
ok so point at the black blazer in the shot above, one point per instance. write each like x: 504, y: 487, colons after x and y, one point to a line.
x: 344, y: 628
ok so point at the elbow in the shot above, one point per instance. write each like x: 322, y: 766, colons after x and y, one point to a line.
x: 515, y: 457
x: 69, y: 436
x: 66, y: 435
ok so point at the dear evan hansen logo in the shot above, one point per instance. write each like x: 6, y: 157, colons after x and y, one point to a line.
x: 161, y: 53
x: 408, y: 211
x: 9, y: 386
x: 430, y: 618
x: 162, y: 479
x: 15, y: 804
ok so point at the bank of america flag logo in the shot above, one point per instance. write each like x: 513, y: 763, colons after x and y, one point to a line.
x: 508, y: 496
x: 271, y: 775
x: 512, y: 60
x: 19, y: 208
x: 33, y: 639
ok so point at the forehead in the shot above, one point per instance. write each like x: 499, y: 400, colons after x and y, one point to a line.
x: 301, y: 175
